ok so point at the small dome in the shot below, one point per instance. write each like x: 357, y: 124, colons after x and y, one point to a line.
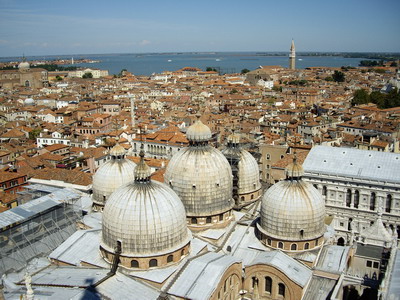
x: 142, y: 171
x: 29, y: 101
x: 111, y: 176
x: 294, y: 170
x: 248, y: 171
x: 198, y: 132
x: 117, y: 150
x: 147, y: 218
x: 292, y: 210
x: 233, y: 139
x: 24, y: 65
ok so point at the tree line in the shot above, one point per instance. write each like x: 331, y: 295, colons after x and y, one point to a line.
x: 382, y: 100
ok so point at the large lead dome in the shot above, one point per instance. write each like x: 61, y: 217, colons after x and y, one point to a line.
x: 147, y: 221
x: 202, y: 177
x: 111, y: 176
x: 292, y: 213
x: 246, y: 174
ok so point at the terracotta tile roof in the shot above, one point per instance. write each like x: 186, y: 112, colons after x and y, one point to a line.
x: 288, y: 159
x: 6, y: 198
x: 6, y: 176
x: 52, y: 157
x: 55, y: 147
x: 158, y: 175
x: 151, y: 162
x: 68, y: 176
x: 13, y: 133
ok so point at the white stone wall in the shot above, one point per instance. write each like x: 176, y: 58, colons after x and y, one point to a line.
x: 340, y: 195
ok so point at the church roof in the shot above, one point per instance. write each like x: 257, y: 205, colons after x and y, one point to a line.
x: 293, y: 269
x: 353, y: 163
x: 201, y: 276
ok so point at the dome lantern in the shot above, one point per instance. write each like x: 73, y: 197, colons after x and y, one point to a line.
x: 142, y: 170
x: 146, y: 221
x: 198, y: 133
x: 294, y: 171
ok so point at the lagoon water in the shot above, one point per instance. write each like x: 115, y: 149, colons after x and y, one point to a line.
x: 225, y: 62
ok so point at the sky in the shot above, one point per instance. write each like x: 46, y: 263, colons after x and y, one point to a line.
x: 54, y: 27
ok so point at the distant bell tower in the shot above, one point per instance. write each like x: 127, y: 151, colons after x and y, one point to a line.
x: 292, y: 57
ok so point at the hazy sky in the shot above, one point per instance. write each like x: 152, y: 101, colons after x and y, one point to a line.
x: 94, y: 27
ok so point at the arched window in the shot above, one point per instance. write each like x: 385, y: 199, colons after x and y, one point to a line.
x: 281, y: 289
x: 268, y: 284
x: 153, y: 263
x: 301, y: 233
x: 194, y: 220
x: 254, y: 282
x: 221, y: 217
x: 208, y: 220
x: 388, y: 203
x: 349, y: 228
x: 170, y: 258
x: 269, y: 242
x: 293, y: 247
x: 306, y: 246
x: 372, y: 201
x: 348, y: 198
x: 356, y: 198
x: 324, y: 190
x: 134, y: 264
x: 27, y: 83
x: 280, y: 245
x: 340, y: 241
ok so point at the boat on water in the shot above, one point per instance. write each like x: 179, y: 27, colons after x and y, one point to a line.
x: 169, y: 60
x: 217, y: 59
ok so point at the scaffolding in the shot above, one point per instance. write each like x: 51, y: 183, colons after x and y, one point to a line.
x: 38, y: 227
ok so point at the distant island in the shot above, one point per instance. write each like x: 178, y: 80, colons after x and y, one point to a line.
x: 364, y: 55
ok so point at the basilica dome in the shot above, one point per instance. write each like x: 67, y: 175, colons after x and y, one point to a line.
x: 202, y: 177
x: 24, y: 65
x: 245, y: 168
x: 111, y: 175
x: 292, y: 210
x: 147, y: 221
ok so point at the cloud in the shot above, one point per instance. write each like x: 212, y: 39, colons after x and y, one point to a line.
x: 144, y: 42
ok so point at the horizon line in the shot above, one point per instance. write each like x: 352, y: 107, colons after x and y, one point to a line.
x: 206, y: 52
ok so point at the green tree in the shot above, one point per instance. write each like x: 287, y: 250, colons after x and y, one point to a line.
x: 209, y: 69
x: 58, y: 78
x: 392, y: 99
x: 34, y: 133
x: 380, y: 71
x: 328, y: 78
x: 338, y: 76
x: 233, y: 91
x: 378, y: 98
x: 244, y: 71
x: 121, y: 73
x: 360, y: 96
x: 87, y: 75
